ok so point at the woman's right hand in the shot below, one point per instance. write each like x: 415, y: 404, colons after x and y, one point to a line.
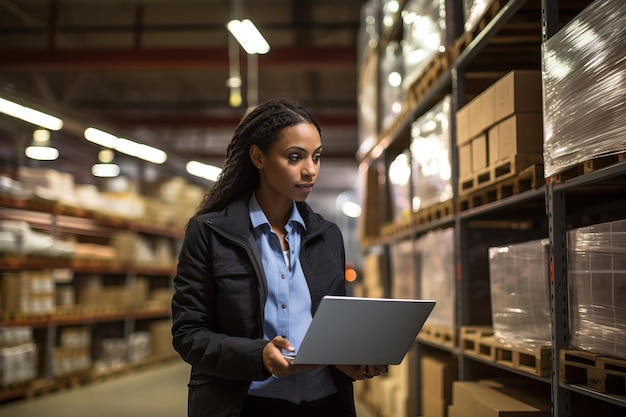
x: 277, y: 364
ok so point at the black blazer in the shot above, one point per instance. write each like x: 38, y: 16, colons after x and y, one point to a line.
x: 219, y: 297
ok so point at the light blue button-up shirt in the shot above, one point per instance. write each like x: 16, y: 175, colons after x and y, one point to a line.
x: 288, y: 307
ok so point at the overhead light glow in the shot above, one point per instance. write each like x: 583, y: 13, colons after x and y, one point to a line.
x: 40, y: 148
x: 42, y: 153
x: 248, y: 36
x: 105, y: 170
x: 139, y: 150
x: 99, y: 137
x: 127, y: 146
x: 206, y: 171
x: 351, y: 209
x: 30, y: 115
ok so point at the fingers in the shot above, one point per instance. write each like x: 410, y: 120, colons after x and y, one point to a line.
x: 282, y: 343
x: 362, y: 372
x: 277, y: 364
x: 371, y: 371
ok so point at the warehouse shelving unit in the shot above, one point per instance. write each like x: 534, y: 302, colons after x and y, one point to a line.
x: 538, y: 212
x: 57, y: 219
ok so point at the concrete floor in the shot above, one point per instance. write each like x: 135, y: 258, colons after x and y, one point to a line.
x: 159, y: 391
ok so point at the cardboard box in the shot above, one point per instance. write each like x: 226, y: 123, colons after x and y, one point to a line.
x: 436, y: 380
x: 455, y: 412
x: 465, y: 160
x: 462, y: 125
x: 480, y: 153
x: 518, y: 92
x: 475, y: 117
x: 27, y: 292
x: 487, y: 100
x: 493, y: 142
x: 520, y: 134
x: 474, y: 399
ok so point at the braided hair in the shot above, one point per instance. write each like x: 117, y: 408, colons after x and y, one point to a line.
x: 260, y: 127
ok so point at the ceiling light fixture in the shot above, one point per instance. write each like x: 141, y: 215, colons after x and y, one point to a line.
x: 139, y: 150
x: 100, y: 137
x: 127, y: 146
x: 105, y: 167
x: 30, y: 115
x: 40, y: 148
x: 248, y: 36
x: 206, y: 171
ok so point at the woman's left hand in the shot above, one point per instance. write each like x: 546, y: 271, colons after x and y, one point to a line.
x: 359, y: 372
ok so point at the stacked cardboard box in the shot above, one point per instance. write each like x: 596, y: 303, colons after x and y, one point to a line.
x: 437, y: 376
x: 502, y: 123
x: 31, y: 292
x: 73, y: 354
x: 487, y: 399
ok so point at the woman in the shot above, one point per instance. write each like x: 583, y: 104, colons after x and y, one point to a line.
x: 254, y: 265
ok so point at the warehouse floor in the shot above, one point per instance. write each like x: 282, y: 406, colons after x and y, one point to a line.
x: 159, y: 391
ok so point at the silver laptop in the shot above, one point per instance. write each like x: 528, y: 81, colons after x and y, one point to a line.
x: 362, y: 331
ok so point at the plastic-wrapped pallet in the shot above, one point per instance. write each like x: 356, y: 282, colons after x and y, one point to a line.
x: 369, y: 30
x: 399, y: 175
x: 597, y: 287
x: 424, y: 35
x: 474, y: 11
x: 436, y: 260
x: 584, y: 82
x: 391, y: 75
x: 18, y: 356
x: 430, y: 156
x: 520, y: 293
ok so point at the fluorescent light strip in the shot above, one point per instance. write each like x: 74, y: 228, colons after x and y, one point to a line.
x: 248, y: 36
x: 209, y: 172
x: 139, y: 150
x: 100, y: 138
x: 30, y: 115
x: 127, y: 146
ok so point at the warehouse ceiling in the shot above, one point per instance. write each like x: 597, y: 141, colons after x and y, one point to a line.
x: 156, y: 71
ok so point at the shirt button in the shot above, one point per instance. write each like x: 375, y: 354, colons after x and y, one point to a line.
x: 284, y: 306
x: 282, y: 276
x: 284, y: 336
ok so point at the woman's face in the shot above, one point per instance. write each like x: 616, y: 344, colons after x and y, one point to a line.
x: 289, y: 168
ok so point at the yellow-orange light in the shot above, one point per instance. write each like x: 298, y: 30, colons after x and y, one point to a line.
x: 350, y: 275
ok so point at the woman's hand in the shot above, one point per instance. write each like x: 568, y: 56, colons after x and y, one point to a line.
x: 359, y: 372
x: 277, y: 364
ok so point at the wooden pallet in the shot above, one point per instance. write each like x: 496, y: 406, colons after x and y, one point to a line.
x: 432, y: 213
x: 428, y: 78
x: 509, y: 167
x: 441, y: 335
x: 480, y: 342
x: 471, y: 341
x: 407, y: 225
x: 397, y: 228
x: 587, y: 167
x: 529, y: 178
x: 598, y: 372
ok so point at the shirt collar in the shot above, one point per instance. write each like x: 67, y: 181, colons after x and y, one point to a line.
x: 257, y: 217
